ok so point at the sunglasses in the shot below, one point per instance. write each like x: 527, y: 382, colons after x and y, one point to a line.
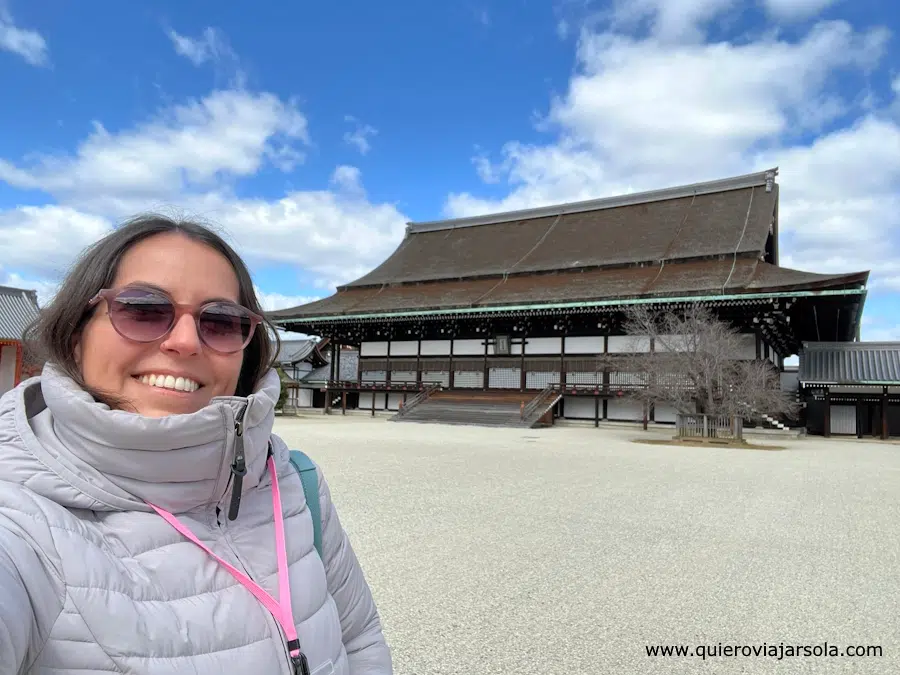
x: 147, y: 315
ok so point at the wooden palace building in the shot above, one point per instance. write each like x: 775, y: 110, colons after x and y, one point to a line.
x: 515, y: 304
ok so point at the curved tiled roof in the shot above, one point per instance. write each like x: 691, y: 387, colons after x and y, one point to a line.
x: 18, y: 308
x: 691, y: 222
x: 705, y: 239
x: 708, y: 278
x: 850, y: 362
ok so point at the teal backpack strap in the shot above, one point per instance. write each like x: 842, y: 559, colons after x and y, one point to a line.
x: 310, y: 480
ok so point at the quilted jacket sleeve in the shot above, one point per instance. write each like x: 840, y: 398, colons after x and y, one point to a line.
x: 364, y: 640
x: 29, y: 603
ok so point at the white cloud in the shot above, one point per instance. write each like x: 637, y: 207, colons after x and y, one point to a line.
x: 184, y: 162
x: 28, y: 44
x: 46, y: 290
x: 644, y: 113
x: 44, y: 239
x: 670, y: 19
x: 211, y: 46
x: 359, y: 136
x: 795, y: 10
x: 190, y: 146
x: 272, y: 301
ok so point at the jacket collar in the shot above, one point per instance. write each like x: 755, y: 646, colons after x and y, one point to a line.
x: 123, y: 460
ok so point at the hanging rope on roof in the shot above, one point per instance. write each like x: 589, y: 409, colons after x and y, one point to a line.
x: 662, y: 262
x: 737, y: 248
x: 516, y: 264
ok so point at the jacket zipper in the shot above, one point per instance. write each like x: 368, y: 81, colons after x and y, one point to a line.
x: 299, y: 665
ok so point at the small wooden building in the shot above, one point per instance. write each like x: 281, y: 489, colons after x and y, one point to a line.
x: 18, y: 308
x: 514, y: 303
x: 851, y: 388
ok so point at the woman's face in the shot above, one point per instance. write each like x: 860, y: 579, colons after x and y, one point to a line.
x: 191, y: 273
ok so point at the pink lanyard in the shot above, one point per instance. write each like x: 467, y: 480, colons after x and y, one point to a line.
x: 280, y: 610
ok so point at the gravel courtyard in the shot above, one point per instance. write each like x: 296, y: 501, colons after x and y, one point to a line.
x: 570, y: 550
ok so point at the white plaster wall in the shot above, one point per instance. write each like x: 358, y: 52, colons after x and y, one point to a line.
x: 436, y: 347
x: 584, y: 345
x: 365, y: 400
x: 663, y: 412
x: 625, y: 344
x: 790, y: 381
x: 7, y: 369
x: 373, y: 349
x: 403, y: 376
x: 468, y: 348
x: 580, y: 407
x: 393, y: 401
x: 747, y: 348
x: 404, y: 347
x: 305, y: 398
x: 374, y: 376
x: 546, y: 345
x: 672, y: 343
x: 624, y: 409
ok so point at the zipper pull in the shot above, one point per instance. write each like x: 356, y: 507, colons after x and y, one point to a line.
x: 301, y: 664
x: 238, y: 466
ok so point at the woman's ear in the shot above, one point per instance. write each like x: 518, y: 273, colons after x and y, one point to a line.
x: 77, y: 350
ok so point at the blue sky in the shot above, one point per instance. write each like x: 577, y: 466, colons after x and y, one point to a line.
x: 312, y: 132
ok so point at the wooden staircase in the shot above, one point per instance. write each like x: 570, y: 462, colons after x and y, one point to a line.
x: 481, y: 408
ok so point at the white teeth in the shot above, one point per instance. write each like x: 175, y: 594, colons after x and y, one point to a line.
x: 170, y: 382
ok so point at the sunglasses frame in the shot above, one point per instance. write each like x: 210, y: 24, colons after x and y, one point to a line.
x: 180, y: 309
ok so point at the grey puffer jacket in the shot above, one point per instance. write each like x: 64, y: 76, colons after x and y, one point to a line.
x: 93, y: 581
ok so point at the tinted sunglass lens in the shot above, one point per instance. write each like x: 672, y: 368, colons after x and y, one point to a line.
x: 141, y: 315
x: 225, y: 328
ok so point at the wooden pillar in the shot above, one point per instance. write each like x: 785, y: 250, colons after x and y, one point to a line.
x: 827, y: 412
x: 487, y: 380
x: 562, y: 377
x: 451, y: 381
x: 859, y: 417
x: 562, y: 363
x: 523, y: 378
x: 419, y: 364
x: 337, y: 363
x: 758, y: 347
x: 596, y: 411
x: 884, y: 413
x: 343, y: 403
x: 645, y: 415
x: 330, y: 383
x: 20, y: 358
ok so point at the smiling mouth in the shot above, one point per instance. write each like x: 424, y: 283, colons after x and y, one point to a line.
x: 170, y: 383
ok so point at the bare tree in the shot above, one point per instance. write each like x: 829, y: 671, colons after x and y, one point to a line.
x: 695, y: 366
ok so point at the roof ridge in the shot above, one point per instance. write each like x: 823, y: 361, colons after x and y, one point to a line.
x: 757, y: 179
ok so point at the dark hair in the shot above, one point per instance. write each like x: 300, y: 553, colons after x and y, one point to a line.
x: 59, y: 325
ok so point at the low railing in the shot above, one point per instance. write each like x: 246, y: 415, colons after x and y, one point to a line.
x: 541, y: 399
x: 723, y: 427
x: 380, y: 385
x: 418, y: 398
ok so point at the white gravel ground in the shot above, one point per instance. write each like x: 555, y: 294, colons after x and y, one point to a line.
x: 569, y: 550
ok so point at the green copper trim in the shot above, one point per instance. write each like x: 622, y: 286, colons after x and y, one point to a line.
x: 570, y: 305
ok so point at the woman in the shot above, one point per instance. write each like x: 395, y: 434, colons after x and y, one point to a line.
x: 150, y: 521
